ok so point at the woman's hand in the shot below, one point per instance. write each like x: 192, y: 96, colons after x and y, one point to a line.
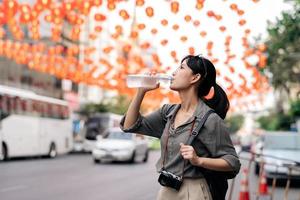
x: 143, y: 90
x: 188, y: 153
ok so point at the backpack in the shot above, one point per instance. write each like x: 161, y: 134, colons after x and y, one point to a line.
x: 216, y: 180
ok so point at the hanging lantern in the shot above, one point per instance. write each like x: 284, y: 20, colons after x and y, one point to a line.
x: 164, y: 22
x: 191, y: 50
x: 154, y: 31
x: 134, y: 34
x: 149, y: 11
x: 187, y: 18
x: 98, y: 29
x: 233, y: 6
x: 222, y: 28
x: 99, y: 17
x: 242, y: 22
x: 203, y: 33
x: 173, y: 54
x: 141, y: 26
x: 175, y: 27
x: 196, y: 23
x: 140, y: 2
x: 174, y: 7
x: 210, y: 13
x: 164, y: 42
x: 183, y: 38
x: 124, y: 14
x: 240, y: 12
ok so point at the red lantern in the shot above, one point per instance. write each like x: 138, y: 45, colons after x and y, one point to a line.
x: 183, y: 38
x: 242, y: 22
x: 164, y: 22
x: 191, y: 50
x: 196, y: 23
x: 140, y: 2
x: 174, y: 6
x: 141, y: 26
x: 99, y: 17
x: 154, y: 31
x: 175, y: 27
x: 149, y: 11
x: 124, y: 14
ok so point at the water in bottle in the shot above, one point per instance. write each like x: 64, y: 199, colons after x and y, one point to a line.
x: 144, y: 80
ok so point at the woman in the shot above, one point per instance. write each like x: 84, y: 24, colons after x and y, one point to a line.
x: 193, y: 80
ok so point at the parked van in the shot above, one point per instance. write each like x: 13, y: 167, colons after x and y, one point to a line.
x: 96, y: 125
x: 282, y: 149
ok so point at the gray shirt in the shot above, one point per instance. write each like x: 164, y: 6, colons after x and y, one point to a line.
x: 213, y: 140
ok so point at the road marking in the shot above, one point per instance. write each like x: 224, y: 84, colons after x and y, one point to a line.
x: 12, y: 188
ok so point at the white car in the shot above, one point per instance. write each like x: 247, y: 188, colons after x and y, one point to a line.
x: 119, y: 146
x: 281, y: 149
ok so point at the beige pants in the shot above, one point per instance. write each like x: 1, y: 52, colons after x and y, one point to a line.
x: 191, y: 189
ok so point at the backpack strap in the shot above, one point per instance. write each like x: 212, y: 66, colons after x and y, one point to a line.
x: 196, y: 131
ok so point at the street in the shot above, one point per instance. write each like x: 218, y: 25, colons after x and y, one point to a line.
x: 76, y: 177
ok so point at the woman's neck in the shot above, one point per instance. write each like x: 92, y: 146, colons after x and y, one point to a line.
x: 189, y: 101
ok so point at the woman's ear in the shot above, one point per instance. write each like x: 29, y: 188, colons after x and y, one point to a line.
x: 196, y: 78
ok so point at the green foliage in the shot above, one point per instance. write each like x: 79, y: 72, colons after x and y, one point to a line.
x: 280, y: 121
x: 284, y: 49
x: 234, y: 123
x: 295, y: 109
x: 275, y: 122
x: 117, y: 105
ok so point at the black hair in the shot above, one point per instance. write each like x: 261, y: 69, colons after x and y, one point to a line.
x: 200, y: 65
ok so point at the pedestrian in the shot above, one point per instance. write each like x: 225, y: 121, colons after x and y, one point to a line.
x: 184, y: 164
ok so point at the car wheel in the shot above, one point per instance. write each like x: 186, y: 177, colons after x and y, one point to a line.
x: 3, y: 155
x: 52, y: 151
x: 256, y: 169
x: 96, y: 161
x: 132, y: 159
x: 146, y: 156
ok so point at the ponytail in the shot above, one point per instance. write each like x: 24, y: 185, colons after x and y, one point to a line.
x: 219, y: 102
x: 200, y: 65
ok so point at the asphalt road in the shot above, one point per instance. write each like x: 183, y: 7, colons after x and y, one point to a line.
x: 76, y: 177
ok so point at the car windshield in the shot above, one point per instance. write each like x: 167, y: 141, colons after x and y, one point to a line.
x: 119, y: 135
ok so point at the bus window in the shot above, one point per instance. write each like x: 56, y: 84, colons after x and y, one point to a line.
x: 60, y: 112
x: 43, y: 108
x: 24, y: 105
x: 65, y: 112
x: 49, y: 110
x: 1, y: 102
x: 55, y: 111
x: 17, y: 105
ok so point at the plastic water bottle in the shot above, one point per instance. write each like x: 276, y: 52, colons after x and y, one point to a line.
x: 144, y: 80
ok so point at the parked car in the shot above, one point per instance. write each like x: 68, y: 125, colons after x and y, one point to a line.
x: 116, y: 145
x: 281, y: 149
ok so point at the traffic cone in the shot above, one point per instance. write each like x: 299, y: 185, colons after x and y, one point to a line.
x: 263, y: 187
x: 244, y: 191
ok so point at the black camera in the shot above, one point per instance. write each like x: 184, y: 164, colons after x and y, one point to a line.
x: 170, y: 180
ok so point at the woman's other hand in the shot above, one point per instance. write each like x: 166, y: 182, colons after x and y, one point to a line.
x: 188, y: 153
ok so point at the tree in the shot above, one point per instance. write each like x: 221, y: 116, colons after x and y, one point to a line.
x: 117, y: 105
x: 234, y: 123
x: 283, y: 50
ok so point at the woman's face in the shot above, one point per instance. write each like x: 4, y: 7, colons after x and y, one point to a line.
x: 183, y: 77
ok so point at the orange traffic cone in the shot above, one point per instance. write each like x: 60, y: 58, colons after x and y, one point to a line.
x: 244, y: 191
x: 263, y: 187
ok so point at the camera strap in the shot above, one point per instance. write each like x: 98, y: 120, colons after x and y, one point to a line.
x: 193, y: 134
